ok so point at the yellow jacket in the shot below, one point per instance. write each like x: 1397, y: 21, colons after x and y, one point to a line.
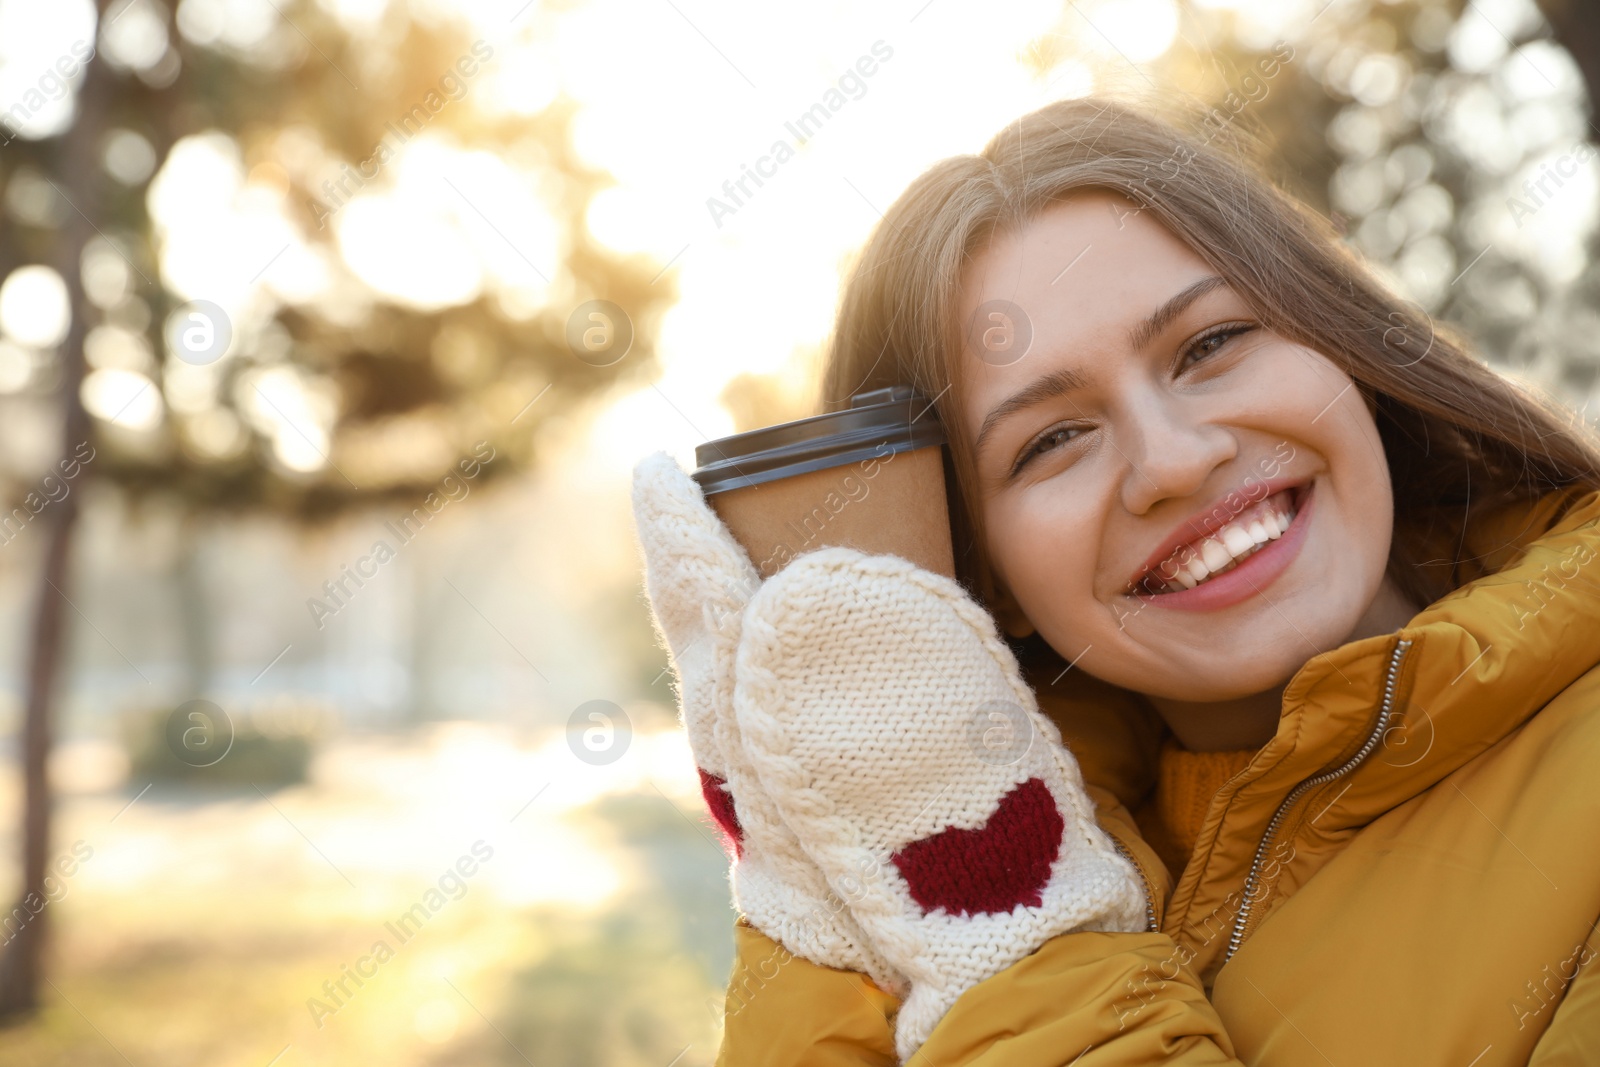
x: 1407, y: 873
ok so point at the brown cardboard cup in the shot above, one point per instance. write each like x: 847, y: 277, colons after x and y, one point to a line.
x: 869, y: 477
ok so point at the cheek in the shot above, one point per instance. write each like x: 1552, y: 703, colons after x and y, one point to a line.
x: 1044, y: 552
x: 1302, y: 398
x: 1369, y: 496
x: 1305, y: 388
x: 1327, y: 415
x: 1288, y: 385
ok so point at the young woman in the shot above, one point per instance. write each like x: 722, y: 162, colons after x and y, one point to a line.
x: 1299, y: 602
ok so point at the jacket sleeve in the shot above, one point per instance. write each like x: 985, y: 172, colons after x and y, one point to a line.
x: 1088, y: 999
x: 783, y: 1010
x: 1574, y: 1034
x: 1085, y: 999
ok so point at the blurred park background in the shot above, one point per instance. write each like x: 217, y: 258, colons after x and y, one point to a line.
x: 319, y: 595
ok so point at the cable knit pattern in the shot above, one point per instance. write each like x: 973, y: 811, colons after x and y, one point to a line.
x: 699, y: 581
x: 867, y: 694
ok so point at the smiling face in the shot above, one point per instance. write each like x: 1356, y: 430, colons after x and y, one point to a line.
x: 1179, y: 500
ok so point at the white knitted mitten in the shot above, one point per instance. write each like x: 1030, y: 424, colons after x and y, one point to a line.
x: 894, y: 732
x: 699, y: 581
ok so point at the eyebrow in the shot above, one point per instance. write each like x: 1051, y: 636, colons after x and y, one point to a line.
x: 1144, y: 332
x: 1066, y: 380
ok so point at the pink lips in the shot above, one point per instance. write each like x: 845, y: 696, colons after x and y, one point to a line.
x: 1251, y: 576
x: 1212, y: 518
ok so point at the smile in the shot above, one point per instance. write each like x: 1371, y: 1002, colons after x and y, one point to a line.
x: 1204, y: 558
x: 1254, y: 546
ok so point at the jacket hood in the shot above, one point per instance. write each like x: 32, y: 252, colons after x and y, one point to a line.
x: 1465, y: 672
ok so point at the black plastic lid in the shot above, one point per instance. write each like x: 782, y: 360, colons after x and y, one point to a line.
x: 897, y: 416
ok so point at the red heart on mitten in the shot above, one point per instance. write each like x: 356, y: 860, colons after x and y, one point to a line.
x: 993, y: 868
x: 714, y: 788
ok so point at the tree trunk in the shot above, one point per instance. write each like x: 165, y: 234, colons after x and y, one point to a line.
x: 20, y: 962
x: 194, y: 608
x: 78, y: 174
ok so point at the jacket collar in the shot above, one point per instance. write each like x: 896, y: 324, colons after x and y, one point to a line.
x: 1483, y: 660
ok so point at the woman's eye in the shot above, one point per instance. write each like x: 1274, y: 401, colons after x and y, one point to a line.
x: 1212, y: 342
x: 1048, y: 441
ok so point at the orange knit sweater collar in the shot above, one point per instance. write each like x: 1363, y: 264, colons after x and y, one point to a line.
x: 1171, y: 817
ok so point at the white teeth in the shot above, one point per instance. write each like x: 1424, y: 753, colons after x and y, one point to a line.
x: 1215, y: 554
x: 1218, y: 553
x: 1238, y: 540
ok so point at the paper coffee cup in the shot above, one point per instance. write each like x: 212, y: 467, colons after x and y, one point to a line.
x: 869, y: 477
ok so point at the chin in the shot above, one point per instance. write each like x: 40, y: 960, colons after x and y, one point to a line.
x: 1217, y: 681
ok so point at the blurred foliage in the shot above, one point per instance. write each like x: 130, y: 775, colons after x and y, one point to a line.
x: 757, y: 400
x: 1411, y: 126
x: 410, y: 390
x: 264, y: 749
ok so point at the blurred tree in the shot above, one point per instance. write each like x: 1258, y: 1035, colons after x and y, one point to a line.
x: 265, y: 158
x: 1577, y: 27
x: 1413, y: 125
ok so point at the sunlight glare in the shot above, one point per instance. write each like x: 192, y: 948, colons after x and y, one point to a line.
x: 124, y: 397
x: 288, y: 409
x: 36, y: 101
x: 34, y: 308
x: 1137, y: 30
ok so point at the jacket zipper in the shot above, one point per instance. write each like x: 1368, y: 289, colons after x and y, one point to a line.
x: 1149, y: 893
x: 1298, y: 791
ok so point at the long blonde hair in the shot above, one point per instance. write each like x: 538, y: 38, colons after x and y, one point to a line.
x: 1459, y: 437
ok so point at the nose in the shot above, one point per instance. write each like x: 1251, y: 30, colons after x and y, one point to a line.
x: 1169, y: 449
